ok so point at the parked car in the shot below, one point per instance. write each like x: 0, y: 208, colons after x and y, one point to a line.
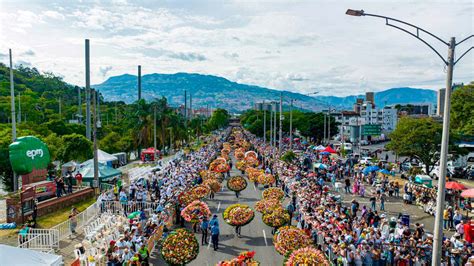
x: 435, y: 172
x: 366, y: 160
x: 364, y: 142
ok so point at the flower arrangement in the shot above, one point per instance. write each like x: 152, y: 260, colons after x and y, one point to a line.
x: 187, y: 197
x: 239, y: 154
x: 201, y: 191
x: 307, y: 256
x: 241, y: 165
x: 266, y: 179
x: 236, y: 183
x: 289, y: 238
x: 266, y: 204
x: 276, y: 217
x: 213, y: 184
x: 253, y: 174
x: 251, y: 161
x: 238, y: 215
x: 180, y: 247
x: 219, y: 165
x: 195, y: 210
x: 273, y: 193
x: 244, y: 259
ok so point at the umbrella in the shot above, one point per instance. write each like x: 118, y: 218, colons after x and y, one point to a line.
x: 324, y: 153
x: 133, y: 215
x: 468, y: 193
x: 320, y: 166
x: 384, y: 171
x: 370, y: 169
x: 455, y: 185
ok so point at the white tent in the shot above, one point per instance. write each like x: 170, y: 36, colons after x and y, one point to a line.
x: 102, y: 157
x: 319, y: 148
x: 21, y: 256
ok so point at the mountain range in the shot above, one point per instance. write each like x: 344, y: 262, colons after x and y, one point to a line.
x: 214, y: 91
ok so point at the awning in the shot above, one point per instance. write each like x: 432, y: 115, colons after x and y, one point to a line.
x: 22, y: 256
x: 105, y: 172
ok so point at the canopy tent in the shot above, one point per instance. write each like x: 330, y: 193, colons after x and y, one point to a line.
x: 385, y: 172
x: 319, y: 148
x: 22, y: 256
x: 455, y: 185
x: 149, y: 154
x: 106, y: 173
x: 324, y: 153
x: 329, y: 149
x: 102, y: 157
x: 69, y: 166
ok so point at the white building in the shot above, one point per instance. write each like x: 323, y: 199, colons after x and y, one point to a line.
x: 389, y: 118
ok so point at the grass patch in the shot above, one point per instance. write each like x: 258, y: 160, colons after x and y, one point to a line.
x: 54, y: 218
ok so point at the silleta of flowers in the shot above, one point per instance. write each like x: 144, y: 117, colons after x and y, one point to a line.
x: 244, y: 259
x: 201, y: 191
x: 236, y: 183
x: 213, y: 184
x: 219, y: 165
x: 241, y: 165
x: 187, y: 197
x: 266, y: 204
x: 253, y: 173
x: 238, y: 214
x: 266, y: 179
x: 180, y: 247
x: 307, y: 256
x: 273, y: 193
x: 289, y: 238
x: 276, y: 217
x: 195, y: 210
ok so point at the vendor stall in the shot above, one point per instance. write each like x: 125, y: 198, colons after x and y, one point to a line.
x: 150, y: 154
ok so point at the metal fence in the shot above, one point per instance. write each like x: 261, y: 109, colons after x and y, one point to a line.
x: 117, y: 207
x: 82, y: 219
x: 45, y: 240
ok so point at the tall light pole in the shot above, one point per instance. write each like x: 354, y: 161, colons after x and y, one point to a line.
x: 12, y: 101
x: 264, y: 123
x: 139, y: 80
x: 324, y: 128
x: 271, y: 124
x: 449, y: 63
x: 281, y: 121
x: 94, y: 135
x: 154, y: 128
x: 291, y: 124
x: 88, y: 92
x: 275, y: 125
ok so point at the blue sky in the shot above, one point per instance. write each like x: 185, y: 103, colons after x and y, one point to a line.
x: 300, y: 46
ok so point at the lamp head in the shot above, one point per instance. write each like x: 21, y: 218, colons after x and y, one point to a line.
x: 357, y: 13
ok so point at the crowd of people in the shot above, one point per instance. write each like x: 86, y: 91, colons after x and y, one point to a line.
x: 353, y: 233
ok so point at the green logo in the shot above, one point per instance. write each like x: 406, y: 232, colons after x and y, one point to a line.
x: 28, y: 153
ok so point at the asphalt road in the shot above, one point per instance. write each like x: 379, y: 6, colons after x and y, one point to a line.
x: 255, y: 236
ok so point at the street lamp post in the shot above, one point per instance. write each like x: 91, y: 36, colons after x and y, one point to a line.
x: 291, y: 124
x: 12, y: 99
x: 264, y: 123
x: 449, y: 63
x: 281, y: 121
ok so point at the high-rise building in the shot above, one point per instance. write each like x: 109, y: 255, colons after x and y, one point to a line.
x: 370, y: 97
x: 440, y: 102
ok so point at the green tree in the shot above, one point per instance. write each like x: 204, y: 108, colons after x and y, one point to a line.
x: 219, y: 119
x: 420, y: 138
x: 75, y: 147
x: 462, y: 110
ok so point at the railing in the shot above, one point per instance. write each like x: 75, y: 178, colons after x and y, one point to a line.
x: 45, y: 240
x: 116, y: 207
x: 82, y: 218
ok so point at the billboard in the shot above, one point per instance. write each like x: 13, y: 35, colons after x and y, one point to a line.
x: 27, y: 154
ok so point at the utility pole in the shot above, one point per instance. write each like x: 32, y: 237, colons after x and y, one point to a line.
x: 190, y: 106
x: 271, y: 124
x: 116, y: 113
x: 88, y: 93
x: 342, y: 128
x: 275, y: 125
x: 264, y: 123
x: 96, y: 159
x: 139, y: 82
x: 324, y: 133
x: 281, y: 127
x: 185, y: 105
x: 12, y: 96
x: 154, y: 128
x: 329, y: 125
x: 19, y: 107
x: 291, y: 124
x: 79, y: 105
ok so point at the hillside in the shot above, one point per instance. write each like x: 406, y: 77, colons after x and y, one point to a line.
x: 220, y: 92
